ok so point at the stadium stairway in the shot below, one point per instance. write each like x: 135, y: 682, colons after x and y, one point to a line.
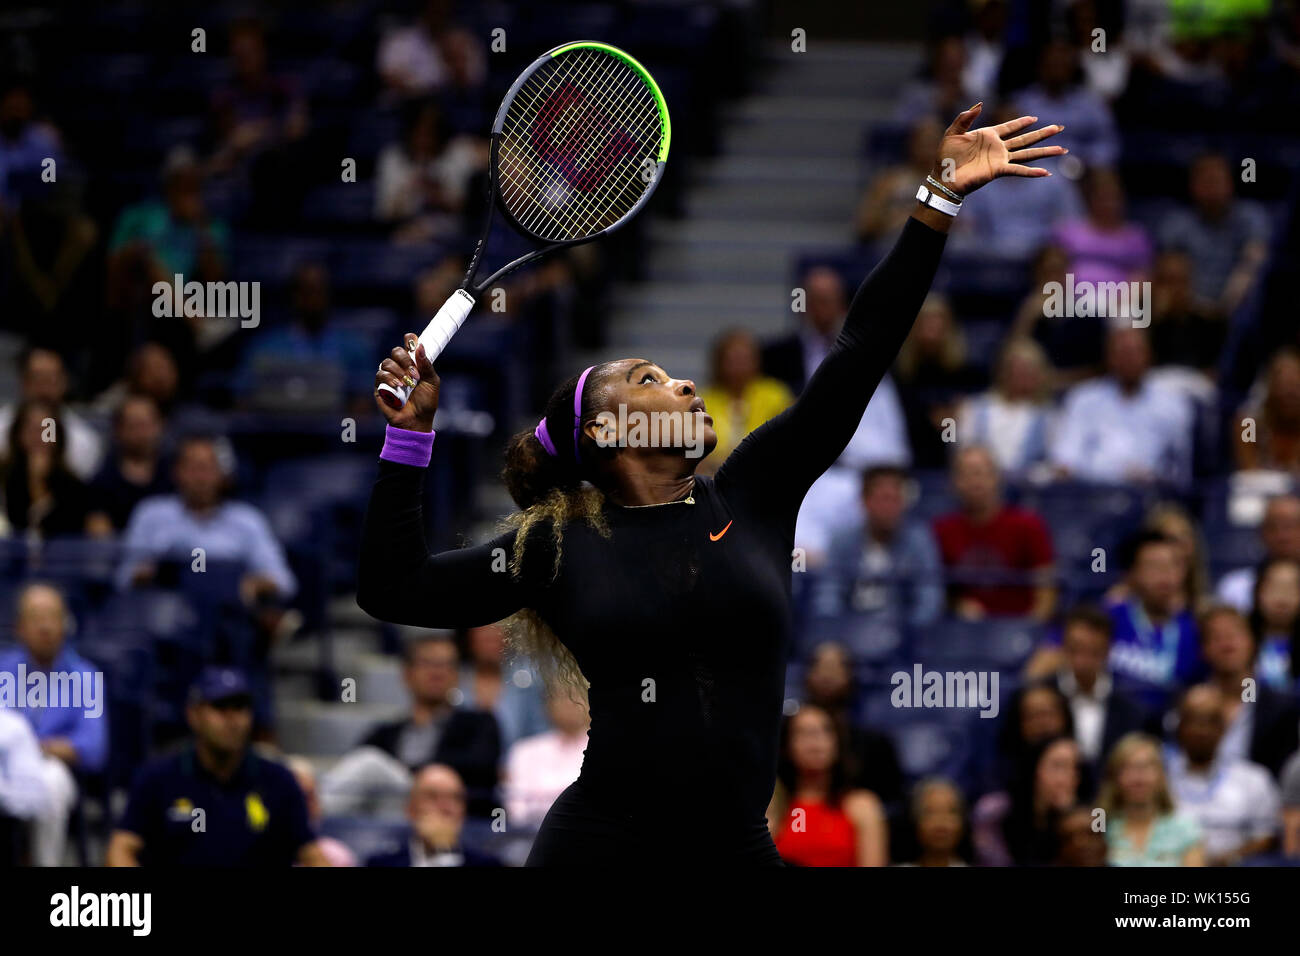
x: 786, y: 180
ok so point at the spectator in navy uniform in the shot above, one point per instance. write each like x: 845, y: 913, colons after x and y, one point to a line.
x: 216, y: 803
x: 437, y: 814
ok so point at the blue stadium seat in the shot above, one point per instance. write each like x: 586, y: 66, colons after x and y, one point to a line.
x: 868, y: 639
x: 341, y: 203
x: 371, y: 130
x: 997, y: 643
x: 272, y: 259
x: 1231, y: 546
x: 378, y: 262
x: 928, y: 748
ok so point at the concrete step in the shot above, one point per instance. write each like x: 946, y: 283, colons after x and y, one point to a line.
x: 669, y: 296
x: 828, y: 69
x: 327, y: 729
x: 699, y: 262
x: 747, y: 232
x: 304, y: 656
x: 786, y: 107
x: 739, y: 200
x: 745, y: 136
x: 379, y: 681
x: 781, y: 172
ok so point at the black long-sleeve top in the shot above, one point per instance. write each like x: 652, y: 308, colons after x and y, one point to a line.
x: 682, y: 637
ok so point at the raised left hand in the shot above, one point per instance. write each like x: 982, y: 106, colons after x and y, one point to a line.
x: 969, y: 159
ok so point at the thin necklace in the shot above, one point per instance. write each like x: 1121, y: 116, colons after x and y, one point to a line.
x: 688, y: 500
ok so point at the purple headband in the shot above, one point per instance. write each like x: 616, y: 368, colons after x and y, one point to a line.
x: 544, y: 435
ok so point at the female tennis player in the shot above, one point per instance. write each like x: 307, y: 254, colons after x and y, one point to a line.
x: 663, y: 594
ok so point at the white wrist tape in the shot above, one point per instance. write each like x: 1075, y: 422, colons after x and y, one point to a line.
x: 932, y: 199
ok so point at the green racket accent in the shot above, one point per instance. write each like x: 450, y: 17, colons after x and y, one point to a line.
x: 645, y: 75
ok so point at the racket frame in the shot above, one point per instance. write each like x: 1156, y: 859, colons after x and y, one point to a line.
x: 451, y: 316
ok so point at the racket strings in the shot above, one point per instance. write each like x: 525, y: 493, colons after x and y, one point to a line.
x: 591, y: 203
x: 575, y: 145
x: 580, y: 74
x: 584, y: 211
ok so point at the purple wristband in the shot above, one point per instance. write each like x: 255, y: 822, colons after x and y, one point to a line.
x: 407, y: 447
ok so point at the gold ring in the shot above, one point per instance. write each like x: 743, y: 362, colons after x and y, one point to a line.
x: 410, y: 382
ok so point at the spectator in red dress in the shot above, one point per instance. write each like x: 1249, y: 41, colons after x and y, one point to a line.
x: 999, y: 557
x: 817, y: 817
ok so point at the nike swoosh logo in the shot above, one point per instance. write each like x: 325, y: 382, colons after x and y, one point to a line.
x: 715, y: 537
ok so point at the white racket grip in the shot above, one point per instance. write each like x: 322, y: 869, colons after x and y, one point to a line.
x: 435, y: 337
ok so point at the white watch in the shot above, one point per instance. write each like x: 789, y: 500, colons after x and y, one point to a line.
x: 935, y: 201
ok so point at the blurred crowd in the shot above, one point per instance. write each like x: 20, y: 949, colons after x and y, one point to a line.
x: 325, y: 168
x: 1093, y: 498
x: 1098, y: 504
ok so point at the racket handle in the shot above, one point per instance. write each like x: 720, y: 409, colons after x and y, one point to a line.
x: 434, y: 338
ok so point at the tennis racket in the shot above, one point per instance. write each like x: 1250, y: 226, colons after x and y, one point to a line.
x: 578, y: 147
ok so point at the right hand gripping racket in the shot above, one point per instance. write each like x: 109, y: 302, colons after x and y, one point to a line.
x: 578, y: 145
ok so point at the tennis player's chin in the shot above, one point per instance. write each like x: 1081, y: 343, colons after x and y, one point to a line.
x: 704, y: 433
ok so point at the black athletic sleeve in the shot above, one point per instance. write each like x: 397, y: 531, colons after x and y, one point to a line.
x: 773, y: 467
x: 398, y: 580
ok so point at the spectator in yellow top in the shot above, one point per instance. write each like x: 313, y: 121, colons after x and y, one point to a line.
x: 740, y: 397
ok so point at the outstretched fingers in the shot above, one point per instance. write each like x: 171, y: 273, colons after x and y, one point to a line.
x: 1033, y: 172
x: 1034, y: 136
x: 1013, y: 126
x: 1025, y: 155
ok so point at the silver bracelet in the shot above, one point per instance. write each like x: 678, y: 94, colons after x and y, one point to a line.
x: 943, y: 189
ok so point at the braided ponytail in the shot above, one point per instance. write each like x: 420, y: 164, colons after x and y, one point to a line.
x: 550, y: 489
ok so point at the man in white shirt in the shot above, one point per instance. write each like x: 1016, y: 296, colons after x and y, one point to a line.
x: 1102, y: 714
x: 22, y: 790
x: 538, y: 768
x: 1124, y: 427
x: 23, y: 793
x: 1236, y: 802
